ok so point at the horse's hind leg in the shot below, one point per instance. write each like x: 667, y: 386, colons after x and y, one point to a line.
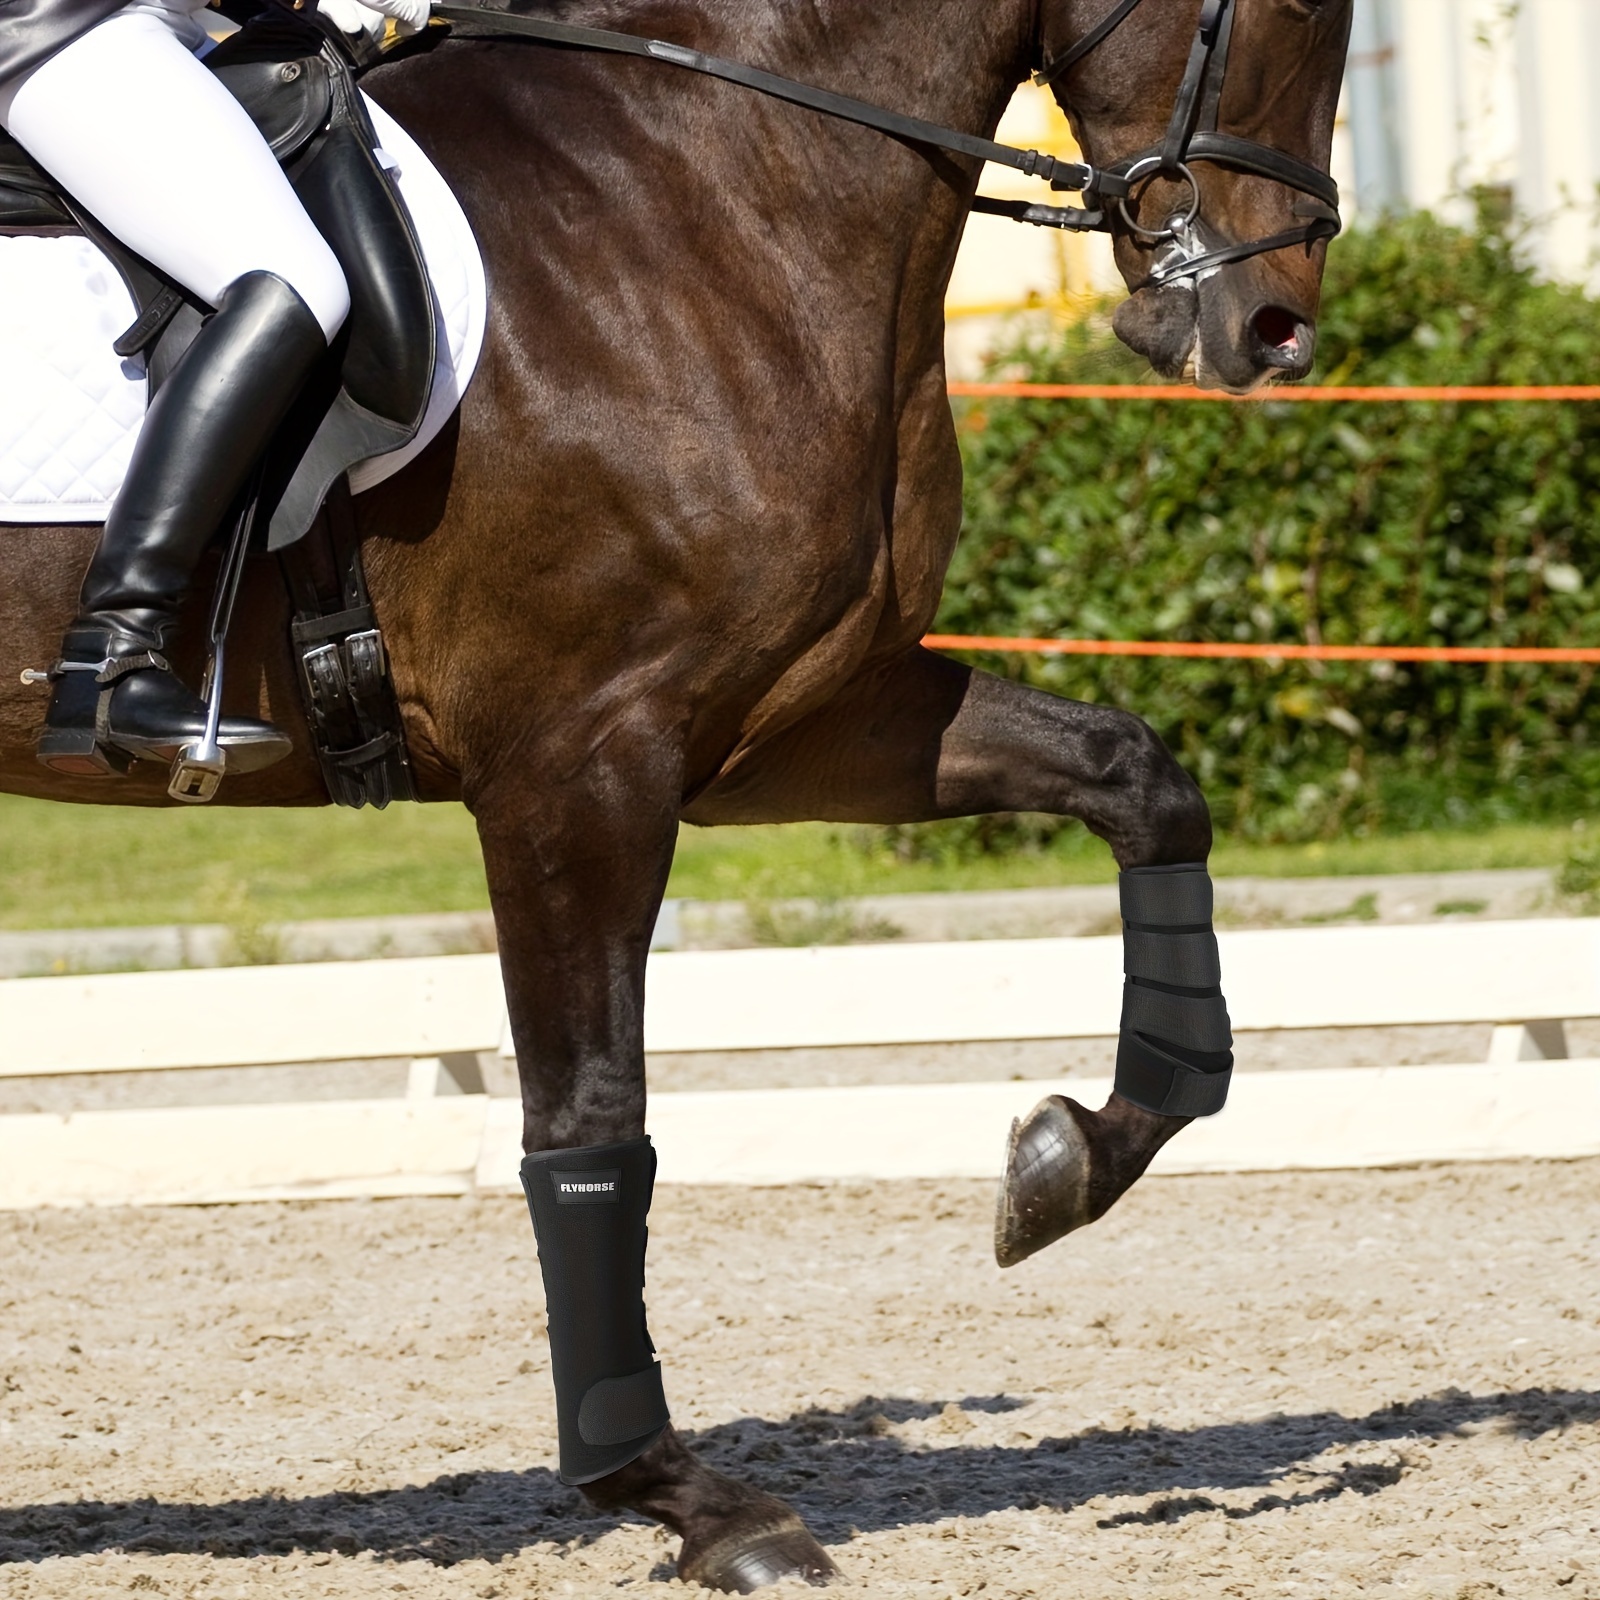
x: 923, y: 738
x: 577, y: 864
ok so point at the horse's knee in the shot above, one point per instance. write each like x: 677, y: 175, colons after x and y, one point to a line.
x: 1166, y: 818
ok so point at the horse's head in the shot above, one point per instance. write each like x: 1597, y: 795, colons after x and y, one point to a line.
x: 1219, y: 114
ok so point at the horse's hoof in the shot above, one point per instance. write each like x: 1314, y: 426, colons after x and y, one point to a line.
x: 750, y: 1557
x: 1044, y: 1192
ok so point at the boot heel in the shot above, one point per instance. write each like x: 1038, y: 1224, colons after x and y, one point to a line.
x: 76, y: 753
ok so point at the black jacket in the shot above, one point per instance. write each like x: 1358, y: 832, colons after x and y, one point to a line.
x: 31, y: 30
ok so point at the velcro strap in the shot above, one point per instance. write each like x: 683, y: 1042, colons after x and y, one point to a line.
x: 1151, y: 1078
x: 1189, y: 960
x: 615, y: 1410
x: 1162, y: 897
x: 120, y: 666
x: 1198, y: 1022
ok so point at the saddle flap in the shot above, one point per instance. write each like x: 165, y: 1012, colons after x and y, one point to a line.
x: 289, y: 101
x: 274, y: 69
x: 29, y: 199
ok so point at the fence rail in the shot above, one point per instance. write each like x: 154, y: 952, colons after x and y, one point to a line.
x: 1304, y: 394
x: 1222, y: 651
x: 1527, y: 1100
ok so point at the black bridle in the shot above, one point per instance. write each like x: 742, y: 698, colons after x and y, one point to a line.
x: 1192, y: 134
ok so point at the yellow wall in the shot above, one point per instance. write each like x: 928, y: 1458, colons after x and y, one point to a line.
x: 1007, y: 271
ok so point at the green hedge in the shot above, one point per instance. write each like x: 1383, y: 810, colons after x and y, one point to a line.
x: 1383, y: 524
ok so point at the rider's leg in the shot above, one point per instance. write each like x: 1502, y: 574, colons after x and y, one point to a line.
x: 137, y: 130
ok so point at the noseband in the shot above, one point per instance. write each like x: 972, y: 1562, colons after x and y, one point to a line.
x: 1111, y: 191
x: 1193, y: 136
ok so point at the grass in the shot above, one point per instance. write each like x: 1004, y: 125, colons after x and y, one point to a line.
x: 81, y: 867
x: 85, y: 867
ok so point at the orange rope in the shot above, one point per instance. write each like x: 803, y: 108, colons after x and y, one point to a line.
x: 1162, y: 391
x: 1258, y: 652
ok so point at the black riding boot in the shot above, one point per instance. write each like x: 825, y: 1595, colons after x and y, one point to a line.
x: 116, y: 698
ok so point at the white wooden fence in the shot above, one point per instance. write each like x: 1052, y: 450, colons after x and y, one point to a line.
x: 1526, y: 978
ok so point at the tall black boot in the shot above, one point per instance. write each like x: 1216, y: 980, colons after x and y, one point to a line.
x: 116, y: 698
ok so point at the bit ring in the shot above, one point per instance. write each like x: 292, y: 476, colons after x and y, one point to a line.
x: 1139, y: 174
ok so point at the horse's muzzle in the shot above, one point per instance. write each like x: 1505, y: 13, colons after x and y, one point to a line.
x: 1160, y: 324
x: 1204, y: 329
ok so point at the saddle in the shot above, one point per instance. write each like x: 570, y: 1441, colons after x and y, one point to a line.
x: 371, y: 393
x: 367, y: 398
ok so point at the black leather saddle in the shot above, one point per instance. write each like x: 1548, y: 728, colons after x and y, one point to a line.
x: 370, y: 394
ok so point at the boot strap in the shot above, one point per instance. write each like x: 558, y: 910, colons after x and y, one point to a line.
x: 113, y: 667
x: 120, y: 666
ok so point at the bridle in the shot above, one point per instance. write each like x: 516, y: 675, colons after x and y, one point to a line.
x: 1192, y: 136
x: 1109, y: 192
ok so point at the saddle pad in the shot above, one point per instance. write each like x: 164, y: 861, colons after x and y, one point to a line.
x: 70, y: 408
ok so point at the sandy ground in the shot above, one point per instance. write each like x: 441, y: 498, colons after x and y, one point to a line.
x: 1303, y: 1385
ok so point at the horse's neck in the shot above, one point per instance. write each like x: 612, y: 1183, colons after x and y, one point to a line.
x: 625, y: 189
x: 952, y: 62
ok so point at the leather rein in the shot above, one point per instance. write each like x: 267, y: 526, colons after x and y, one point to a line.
x: 1109, y: 191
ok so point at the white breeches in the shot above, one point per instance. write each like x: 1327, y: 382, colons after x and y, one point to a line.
x: 136, y: 129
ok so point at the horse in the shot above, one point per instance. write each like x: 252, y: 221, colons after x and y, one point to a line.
x: 673, y: 559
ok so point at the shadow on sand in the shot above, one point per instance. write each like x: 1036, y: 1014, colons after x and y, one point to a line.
x: 843, y: 1470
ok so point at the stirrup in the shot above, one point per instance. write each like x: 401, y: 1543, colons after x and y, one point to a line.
x: 199, y: 767
x: 198, y: 770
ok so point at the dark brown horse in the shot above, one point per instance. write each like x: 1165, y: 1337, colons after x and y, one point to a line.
x: 674, y: 559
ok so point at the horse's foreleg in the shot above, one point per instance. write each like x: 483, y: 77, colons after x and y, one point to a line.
x: 577, y: 861
x: 924, y: 738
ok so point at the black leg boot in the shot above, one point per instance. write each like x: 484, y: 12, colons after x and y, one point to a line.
x: 589, y: 1207
x: 116, y: 699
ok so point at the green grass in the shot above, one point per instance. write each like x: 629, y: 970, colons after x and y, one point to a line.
x: 1511, y: 845
x: 78, y: 866
x: 100, y: 866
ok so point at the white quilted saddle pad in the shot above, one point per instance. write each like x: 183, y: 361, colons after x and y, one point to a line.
x: 70, y: 408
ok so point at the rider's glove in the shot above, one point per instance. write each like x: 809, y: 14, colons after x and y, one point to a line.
x: 354, y: 17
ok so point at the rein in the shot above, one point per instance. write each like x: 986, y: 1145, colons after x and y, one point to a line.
x: 483, y: 21
x: 1192, y: 135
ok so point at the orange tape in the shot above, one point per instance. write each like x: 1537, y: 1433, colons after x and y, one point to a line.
x: 1162, y: 391
x: 1260, y: 652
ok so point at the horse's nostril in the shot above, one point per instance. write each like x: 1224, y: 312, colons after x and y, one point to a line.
x: 1284, y: 340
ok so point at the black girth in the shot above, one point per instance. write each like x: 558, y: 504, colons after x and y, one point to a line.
x: 1192, y: 135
